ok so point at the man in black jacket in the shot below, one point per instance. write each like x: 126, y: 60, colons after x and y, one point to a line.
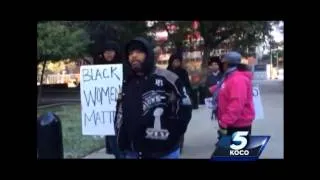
x: 156, y: 106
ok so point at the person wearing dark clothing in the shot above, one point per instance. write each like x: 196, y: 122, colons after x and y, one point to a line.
x: 175, y: 66
x: 215, y: 73
x: 202, y: 89
x: 110, y: 54
x: 195, y: 85
x: 195, y: 97
x: 202, y: 93
x: 156, y: 105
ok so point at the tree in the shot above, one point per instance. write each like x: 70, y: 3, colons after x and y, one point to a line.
x: 177, y: 36
x: 56, y: 41
x: 102, y: 31
x: 241, y: 34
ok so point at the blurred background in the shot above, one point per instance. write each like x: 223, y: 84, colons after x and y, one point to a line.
x: 261, y: 42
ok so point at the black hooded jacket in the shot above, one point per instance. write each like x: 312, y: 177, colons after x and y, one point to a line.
x: 156, y: 109
x: 109, y: 45
x: 182, y: 73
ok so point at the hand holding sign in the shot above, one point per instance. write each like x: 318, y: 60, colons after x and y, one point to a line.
x: 100, y: 86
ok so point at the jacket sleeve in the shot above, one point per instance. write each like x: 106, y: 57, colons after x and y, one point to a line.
x: 237, y: 93
x: 120, y: 130
x: 185, y: 106
x: 187, y: 81
x: 118, y: 114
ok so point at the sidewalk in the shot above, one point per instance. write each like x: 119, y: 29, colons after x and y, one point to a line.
x: 101, y: 154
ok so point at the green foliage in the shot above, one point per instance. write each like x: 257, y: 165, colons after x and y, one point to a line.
x: 57, y: 41
x: 240, y: 34
x: 65, y: 39
x: 102, y: 31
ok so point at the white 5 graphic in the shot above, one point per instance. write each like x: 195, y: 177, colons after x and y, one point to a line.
x: 156, y: 132
x: 239, y: 137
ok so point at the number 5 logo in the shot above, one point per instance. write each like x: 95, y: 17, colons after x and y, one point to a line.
x: 239, y: 137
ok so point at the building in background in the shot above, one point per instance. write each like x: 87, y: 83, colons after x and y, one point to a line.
x: 63, y: 71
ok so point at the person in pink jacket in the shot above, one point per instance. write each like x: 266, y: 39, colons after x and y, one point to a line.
x: 232, y: 97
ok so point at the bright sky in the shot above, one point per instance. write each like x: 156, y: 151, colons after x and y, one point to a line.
x: 277, y: 35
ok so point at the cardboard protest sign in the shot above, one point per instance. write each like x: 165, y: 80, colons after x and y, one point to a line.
x: 258, y: 107
x: 99, y: 87
x: 208, y: 102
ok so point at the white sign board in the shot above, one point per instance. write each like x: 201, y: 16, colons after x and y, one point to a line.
x: 208, y: 102
x: 258, y: 108
x: 99, y: 87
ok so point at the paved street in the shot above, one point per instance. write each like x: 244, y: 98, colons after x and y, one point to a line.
x: 201, y: 135
x: 273, y: 124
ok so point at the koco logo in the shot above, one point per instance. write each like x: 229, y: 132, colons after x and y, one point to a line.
x: 239, y: 147
x: 240, y: 138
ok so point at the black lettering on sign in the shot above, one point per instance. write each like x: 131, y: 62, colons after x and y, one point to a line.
x: 112, y: 116
x: 113, y: 69
x: 99, y: 94
x: 113, y: 94
x: 109, y: 92
x: 104, y: 115
x: 99, y: 117
x: 104, y: 92
x: 105, y: 73
x: 255, y: 92
x: 90, y: 119
x: 86, y: 75
x: 98, y: 74
x: 89, y: 97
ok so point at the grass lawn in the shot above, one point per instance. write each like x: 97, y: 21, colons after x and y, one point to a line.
x: 74, y: 143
